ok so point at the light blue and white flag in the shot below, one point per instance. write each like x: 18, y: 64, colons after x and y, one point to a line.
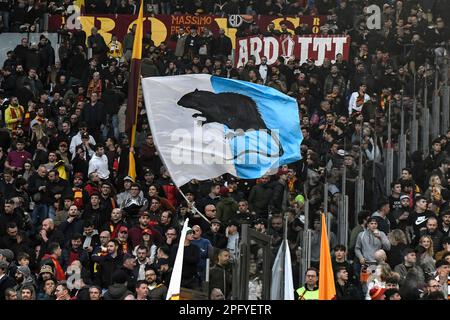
x: 204, y: 126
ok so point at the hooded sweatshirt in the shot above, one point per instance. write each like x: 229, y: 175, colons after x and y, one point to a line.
x: 117, y: 291
x: 367, y: 244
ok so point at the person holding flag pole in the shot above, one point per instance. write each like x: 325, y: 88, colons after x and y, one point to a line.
x: 282, y: 281
x: 173, y: 293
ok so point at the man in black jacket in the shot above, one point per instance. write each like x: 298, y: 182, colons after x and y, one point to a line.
x: 344, y: 289
x: 222, y: 45
x: 215, y: 236
x: 37, y: 187
x: 5, y: 280
x: 279, y: 200
x: 220, y: 275
x: 259, y: 197
x: 191, y: 259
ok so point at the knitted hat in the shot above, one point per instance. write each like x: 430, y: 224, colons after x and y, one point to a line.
x: 24, y: 270
x: 376, y: 293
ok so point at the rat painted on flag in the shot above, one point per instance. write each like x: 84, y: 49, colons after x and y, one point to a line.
x: 205, y: 126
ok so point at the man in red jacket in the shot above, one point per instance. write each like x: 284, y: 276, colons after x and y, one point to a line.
x: 135, y: 233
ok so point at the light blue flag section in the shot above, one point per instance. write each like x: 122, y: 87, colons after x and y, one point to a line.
x: 259, y: 151
x: 205, y: 126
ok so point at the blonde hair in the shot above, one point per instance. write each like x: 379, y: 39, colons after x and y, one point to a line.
x: 430, y: 250
x: 38, y: 133
x: 397, y: 237
x: 432, y: 181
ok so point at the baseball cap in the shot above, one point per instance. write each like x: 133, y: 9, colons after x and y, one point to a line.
x: 144, y: 213
x: 216, y: 221
x: 147, y: 231
x: 78, y: 175
x: 85, y: 135
x: 189, y: 230
x: 123, y: 228
x: 128, y: 178
x: 404, y: 196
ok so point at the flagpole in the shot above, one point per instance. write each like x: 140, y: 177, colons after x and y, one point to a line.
x: 195, y: 209
x: 286, y: 248
x: 174, y: 290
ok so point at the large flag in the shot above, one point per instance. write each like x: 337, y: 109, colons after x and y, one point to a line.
x: 205, y: 126
x: 282, y: 283
x: 173, y: 293
x: 133, y: 89
x: 327, y: 289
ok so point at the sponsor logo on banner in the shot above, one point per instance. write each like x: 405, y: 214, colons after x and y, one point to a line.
x: 163, y: 26
x: 303, y: 48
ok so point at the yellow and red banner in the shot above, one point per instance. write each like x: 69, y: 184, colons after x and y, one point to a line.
x: 163, y: 26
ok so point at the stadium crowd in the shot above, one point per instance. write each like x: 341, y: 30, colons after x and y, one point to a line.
x: 74, y: 225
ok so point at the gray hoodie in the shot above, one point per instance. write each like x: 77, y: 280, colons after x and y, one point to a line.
x: 367, y: 244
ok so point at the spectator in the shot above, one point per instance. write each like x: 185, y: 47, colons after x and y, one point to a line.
x: 220, y: 274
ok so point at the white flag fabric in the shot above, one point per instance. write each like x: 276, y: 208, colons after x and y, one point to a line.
x: 173, y: 293
x: 204, y: 126
x: 282, y: 283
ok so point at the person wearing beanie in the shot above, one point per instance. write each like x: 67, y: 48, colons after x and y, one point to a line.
x: 23, y: 278
x: 377, y: 293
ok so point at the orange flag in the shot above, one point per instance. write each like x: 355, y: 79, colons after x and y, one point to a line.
x: 327, y: 289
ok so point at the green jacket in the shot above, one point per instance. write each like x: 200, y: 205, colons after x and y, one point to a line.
x: 226, y: 209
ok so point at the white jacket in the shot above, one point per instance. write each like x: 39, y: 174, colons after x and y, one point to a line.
x: 99, y: 165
